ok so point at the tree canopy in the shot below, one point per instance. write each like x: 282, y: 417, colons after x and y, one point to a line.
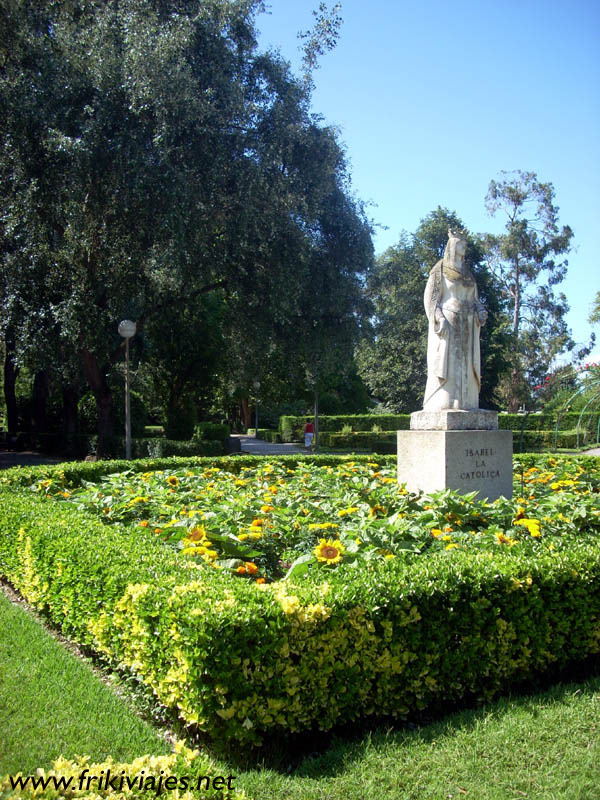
x: 529, y: 260
x: 152, y: 156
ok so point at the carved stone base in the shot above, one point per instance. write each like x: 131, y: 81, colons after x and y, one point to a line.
x: 463, y: 460
x: 450, y: 420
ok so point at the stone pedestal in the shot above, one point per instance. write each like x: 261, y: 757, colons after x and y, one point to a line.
x: 463, y: 460
x: 477, y: 419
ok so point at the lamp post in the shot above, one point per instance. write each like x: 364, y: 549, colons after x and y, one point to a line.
x: 256, y: 388
x: 127, y: 329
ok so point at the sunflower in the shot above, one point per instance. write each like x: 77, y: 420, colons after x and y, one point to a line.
x: 532, y: 525
x: 197, y: 534
x: 172, y: 480
x: 329, y: 551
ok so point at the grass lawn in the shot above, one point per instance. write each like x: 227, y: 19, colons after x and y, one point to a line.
x: 52, y: 703
x: 541, y: 747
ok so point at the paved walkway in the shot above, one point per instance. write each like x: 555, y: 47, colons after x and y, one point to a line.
x: 26, y: 458
x: 258, y: 447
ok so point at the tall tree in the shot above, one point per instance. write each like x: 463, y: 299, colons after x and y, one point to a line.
x: 529, y: 261
x: 151, y: 156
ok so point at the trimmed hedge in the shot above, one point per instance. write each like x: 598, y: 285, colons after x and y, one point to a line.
x: 291, y: 428
x: 266, y: 434
x: 161, y: 448
x: 211, y: 431
x: 239, y: 660
x: 382, y: 442
x: 385, y: 441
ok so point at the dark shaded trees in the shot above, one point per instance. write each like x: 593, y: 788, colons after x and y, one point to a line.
x: 151, y: 157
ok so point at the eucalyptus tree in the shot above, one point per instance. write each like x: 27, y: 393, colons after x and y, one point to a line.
x: 529, y: 261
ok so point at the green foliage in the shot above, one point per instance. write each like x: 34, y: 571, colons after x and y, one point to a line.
x: 163, y: 448
x: 156, y: 166
x: 181, y: 418
x: 266, y: 434
x: 291, y: 428
x: 525, y: 261
x: 373, y: 441
x: 387, y: 637
x: 52, y: 702
x: 153, y: 431
x: 88, y: 418
x: 211, y: 430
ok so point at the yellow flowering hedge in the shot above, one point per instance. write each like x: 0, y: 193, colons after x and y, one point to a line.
x: 385, y: 636
x: 183, y: 775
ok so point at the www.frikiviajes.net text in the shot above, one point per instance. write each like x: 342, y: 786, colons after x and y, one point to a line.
x: 117, y: 782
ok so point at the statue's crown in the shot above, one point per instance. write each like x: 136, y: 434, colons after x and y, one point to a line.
x: 455, y: 233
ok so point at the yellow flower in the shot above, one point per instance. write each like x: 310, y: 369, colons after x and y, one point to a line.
x: 266, y: 509
x: 328, y: 551
x: 172, y: 480
x: 502, y: 539
x: 532, y: 525
x: 197, y: 534
x: 436, y: 532
x: 451, y: 546
x: 446, y: 538
x: 376, y: 511
x: 559, y: 484
x: 257, y: 523
x: 344, y: 511
x: 194, y: 551
x: 318, y: 526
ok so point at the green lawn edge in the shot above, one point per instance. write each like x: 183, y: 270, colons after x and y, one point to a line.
x: 52, y: 703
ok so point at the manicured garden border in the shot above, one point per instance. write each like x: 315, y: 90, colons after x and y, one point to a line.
x: 239, y: 660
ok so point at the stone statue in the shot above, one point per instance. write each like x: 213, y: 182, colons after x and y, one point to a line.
x: 455, y: 316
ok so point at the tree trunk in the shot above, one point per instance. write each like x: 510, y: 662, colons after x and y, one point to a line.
x: 10, y: 380
x: 515, y: 375
x: 246, y: 415
x: 515, y: 381
x: 96, y: 377
x: 70, y: 398
x: 39, y: 398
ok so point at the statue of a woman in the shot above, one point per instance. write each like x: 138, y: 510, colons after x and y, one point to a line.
x: 455, y: 316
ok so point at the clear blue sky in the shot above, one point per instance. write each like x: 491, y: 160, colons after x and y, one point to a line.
x: 433, y: 99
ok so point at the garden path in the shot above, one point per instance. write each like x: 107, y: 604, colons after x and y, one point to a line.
x: 9, y: 458
x: 258, y: 447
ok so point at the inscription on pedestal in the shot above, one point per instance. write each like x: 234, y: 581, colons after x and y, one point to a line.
x: 466, y: 461
x: 478, y: 461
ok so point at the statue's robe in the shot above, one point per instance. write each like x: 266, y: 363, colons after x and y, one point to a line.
x: 453, y: 360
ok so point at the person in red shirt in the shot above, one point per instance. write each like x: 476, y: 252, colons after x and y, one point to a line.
x: 309, y: 432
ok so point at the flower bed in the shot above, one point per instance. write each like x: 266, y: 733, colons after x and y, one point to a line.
x: 259, y: 595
